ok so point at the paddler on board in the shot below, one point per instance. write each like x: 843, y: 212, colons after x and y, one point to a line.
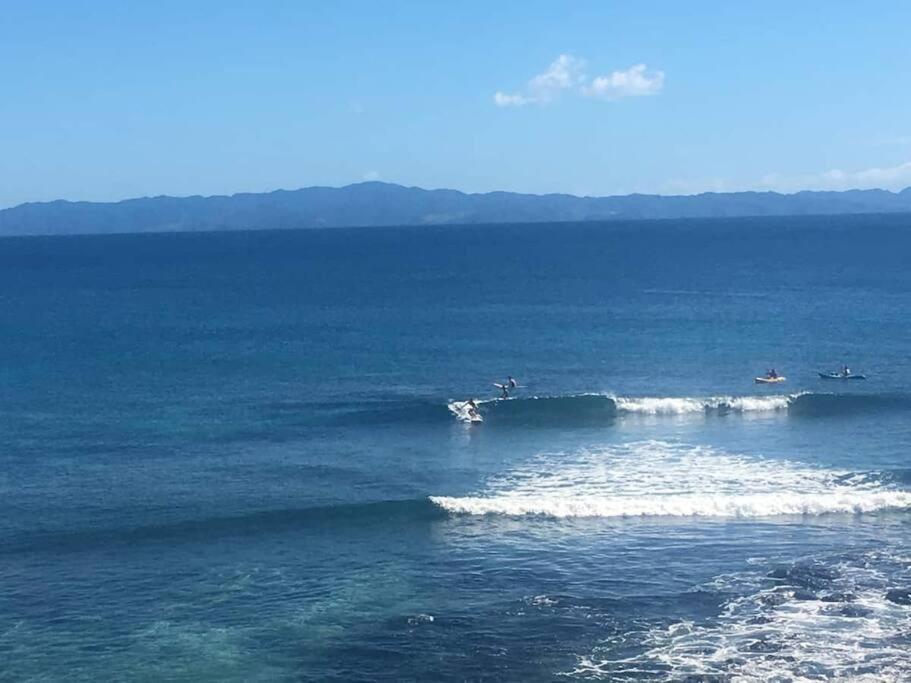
x: 506, y: 386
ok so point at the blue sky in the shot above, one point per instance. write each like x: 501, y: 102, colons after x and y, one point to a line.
x: 107, y: 100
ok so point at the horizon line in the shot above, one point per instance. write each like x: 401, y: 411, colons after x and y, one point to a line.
x: 449, y: 189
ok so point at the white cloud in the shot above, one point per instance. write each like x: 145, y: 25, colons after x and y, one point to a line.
x: 634, y: 82
x: 567, y: 74
x: 503, y: 99
x: 885, y: 177
x: 889, y: 176
x: 372, y: 175
x: 564, y: 72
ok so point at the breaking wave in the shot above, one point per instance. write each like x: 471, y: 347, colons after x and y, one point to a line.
x: 590, y: 409
x: 714, y: 404
x: 601, y: 408
x: 661, y: 479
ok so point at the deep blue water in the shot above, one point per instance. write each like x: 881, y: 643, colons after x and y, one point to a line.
x: 231, y: 456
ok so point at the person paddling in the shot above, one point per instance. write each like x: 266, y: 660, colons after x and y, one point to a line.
x: 506, y: 386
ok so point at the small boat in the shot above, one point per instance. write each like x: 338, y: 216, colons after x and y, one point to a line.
x: 840, y: 375
x: 770, y: 380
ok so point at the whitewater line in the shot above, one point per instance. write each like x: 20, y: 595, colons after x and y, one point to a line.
x: 679, y: 505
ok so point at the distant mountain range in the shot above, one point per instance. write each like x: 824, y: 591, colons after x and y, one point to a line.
x: 384, y: 204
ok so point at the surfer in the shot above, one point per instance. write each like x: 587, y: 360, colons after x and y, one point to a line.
x: 846, y: 371
x: 472, y: 408
x: 504, y: 391
x: 511, y: 383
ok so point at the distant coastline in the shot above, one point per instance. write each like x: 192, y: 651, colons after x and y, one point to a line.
x: 376, y: 204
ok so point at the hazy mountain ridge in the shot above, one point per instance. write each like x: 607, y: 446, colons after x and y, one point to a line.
x: 385, y: 204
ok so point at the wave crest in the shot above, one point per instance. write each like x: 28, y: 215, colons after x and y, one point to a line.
x: 713, y: 404
x: 601, y: 408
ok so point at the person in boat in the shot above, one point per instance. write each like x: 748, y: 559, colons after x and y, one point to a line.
x: 772, y: 374
x: 472, y: 408
x: 846, y: 371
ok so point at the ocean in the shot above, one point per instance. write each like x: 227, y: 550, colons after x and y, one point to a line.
x: 240, y: 456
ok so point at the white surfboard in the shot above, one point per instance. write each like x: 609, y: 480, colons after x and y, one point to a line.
x: 462, y: 410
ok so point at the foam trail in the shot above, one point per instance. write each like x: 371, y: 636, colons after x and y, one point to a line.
x: 816, y: 619
x: 655, y: 478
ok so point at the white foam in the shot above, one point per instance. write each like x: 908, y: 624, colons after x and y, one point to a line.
x: 769, y: 633
x: 693, y: 405
x: 759, y: 403
x: 648, y: 405
x: 660, y: 406
x: 679, y: 505
x: 655, y: 478
x: 463, y: 413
